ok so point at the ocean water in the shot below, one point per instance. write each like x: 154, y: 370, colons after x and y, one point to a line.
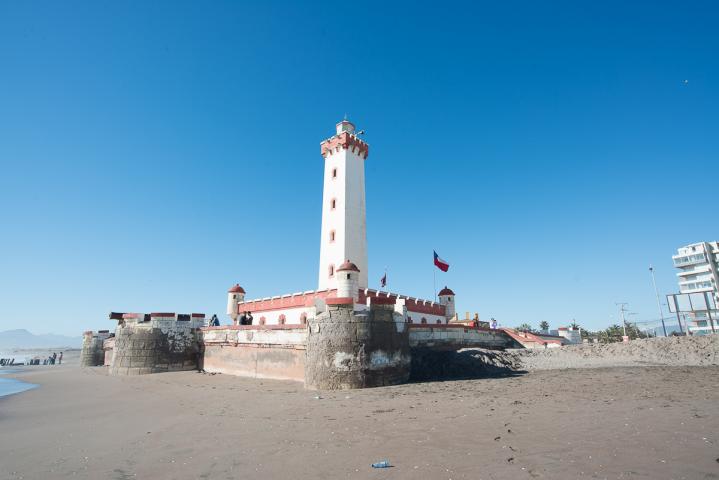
x: 19, y: 357
x: 9, y: 386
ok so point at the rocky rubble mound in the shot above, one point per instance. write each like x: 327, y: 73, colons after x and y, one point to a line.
x: 465, y: 364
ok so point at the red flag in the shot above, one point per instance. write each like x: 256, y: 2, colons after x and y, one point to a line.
x: 441, y: 264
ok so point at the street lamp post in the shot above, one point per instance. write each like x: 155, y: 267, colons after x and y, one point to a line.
x: 659, y: 303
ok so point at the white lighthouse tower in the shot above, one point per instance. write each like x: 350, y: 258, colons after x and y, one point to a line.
x: 344, y: 220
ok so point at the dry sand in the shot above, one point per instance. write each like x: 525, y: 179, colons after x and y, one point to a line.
x: 645, y: 422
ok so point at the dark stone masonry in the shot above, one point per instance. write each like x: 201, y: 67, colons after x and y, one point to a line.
x: 348, y: 349
x: 144, y: 349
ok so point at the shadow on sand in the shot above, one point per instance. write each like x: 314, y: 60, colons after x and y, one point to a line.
x: 429, y: 365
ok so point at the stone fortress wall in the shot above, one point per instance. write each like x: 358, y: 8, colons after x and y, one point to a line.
x: 256, y: 351
x: 156, y: 342
x: 347, y: 348
x: 344, y: 344
x: 93, y: 353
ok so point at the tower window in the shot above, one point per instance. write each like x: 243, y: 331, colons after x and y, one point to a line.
x: 334, y: 173
x: 332, y: 271
x: 332, y: 236
x: 333, y: 203
x: 348, y: 276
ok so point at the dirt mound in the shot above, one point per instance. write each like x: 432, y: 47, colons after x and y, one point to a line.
x: 671, y: 351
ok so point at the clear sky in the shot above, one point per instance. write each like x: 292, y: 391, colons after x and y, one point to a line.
x: 154, y: 153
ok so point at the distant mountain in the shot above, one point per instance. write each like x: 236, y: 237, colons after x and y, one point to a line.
x: 23, y: 339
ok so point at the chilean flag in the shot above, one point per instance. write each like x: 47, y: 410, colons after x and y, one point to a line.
x: 441, y: 264
x: 383, y: 280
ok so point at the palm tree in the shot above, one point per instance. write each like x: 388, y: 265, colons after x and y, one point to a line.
x: 525, y: 327
x: 544, y: 326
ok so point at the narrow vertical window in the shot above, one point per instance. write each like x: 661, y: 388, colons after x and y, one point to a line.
x: 331, y: 271
x: 334, y: 173
x: 333, y: 203
x: 332, y: 235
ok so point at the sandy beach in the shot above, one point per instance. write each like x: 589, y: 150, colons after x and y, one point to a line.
x: 645, y: 422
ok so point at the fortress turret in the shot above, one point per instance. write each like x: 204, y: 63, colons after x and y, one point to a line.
x: 234, y: 295
x: 348, y: 281
x: 446, y: 298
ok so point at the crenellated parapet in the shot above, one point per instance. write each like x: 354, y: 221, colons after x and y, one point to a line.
x: 344, y: 141
x: 160, y: 319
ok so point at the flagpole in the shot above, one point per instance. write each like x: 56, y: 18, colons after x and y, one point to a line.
x: 434, y: 283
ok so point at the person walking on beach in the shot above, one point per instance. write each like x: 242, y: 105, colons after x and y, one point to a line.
x: 59, y: 359
x: 53, y: 358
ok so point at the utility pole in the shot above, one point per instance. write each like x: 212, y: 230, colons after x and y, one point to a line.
x: 659, y: 303
x: 621, y: 312
x: 709, y: 310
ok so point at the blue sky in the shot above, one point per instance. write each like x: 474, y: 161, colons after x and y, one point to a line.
x: 152, y: 154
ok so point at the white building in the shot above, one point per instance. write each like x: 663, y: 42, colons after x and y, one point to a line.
x: 573, y: 335
x: 698, y: 265
x: 344, y: 220
x: 343, y: 251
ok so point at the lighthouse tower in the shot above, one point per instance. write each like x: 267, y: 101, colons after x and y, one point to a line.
x: 344, y: 221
